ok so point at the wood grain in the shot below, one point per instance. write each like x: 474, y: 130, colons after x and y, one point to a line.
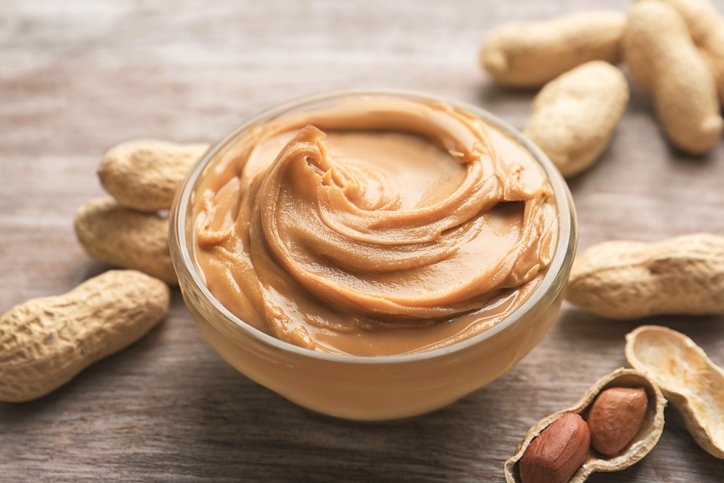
x: 77, y: 76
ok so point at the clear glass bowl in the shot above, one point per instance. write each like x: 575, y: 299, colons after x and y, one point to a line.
x: 381, y: 387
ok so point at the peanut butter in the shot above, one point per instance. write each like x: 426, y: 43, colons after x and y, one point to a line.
x: 376, y: 225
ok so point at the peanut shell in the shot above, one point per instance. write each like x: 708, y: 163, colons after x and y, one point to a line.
x: 644, y: 441
x: 575, y: 115
x: 664, y: 61
x: 531, y: 53
x: 707, y: 30
x: 125, y: 238
x: 45, y: 342
x: 688, y: 378
x: 145, y: 174
x: 631, y: 280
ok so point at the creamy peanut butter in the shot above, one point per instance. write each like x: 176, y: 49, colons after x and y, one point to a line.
x: 377, y: 225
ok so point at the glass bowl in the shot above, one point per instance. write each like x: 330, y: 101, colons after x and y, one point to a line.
x: 376, y: 387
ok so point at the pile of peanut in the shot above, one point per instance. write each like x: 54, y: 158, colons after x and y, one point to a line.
x: 674, y: 52
x: 130, y: 228
x: 47, y: 341
x: 621, y: 418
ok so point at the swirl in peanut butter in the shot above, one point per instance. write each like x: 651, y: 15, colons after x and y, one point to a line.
x: 376, y: 225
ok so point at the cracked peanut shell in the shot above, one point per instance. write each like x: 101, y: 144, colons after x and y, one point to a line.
x: 644, y: 441
x: 687, y: 377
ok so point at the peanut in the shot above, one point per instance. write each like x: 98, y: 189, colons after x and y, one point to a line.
x: 529, y: 54
x: 575, y: 115
x: 664, y: 61
x: 125, y: 238
x: 615, y: 418
x: 707, y: 30
x: 45, y: 342
x: 631, y: 280
x: 543, y: 453
x: 557, y: 452
x: 145, y: 174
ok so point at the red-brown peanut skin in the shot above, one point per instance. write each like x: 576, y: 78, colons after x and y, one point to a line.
x: 615, y: 418
x: 557, y: 452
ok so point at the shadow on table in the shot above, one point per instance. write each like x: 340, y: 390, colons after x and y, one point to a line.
x: 585, y: 327
x: 491, y: 93
x: 253, y: 432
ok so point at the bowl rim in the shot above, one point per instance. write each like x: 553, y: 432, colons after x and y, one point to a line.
x: 562, y: 257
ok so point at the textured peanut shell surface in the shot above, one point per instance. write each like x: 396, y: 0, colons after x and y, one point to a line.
x: 631, y: 280
x: 45, y: 342
x: 574, y: 116
x: 688, y: 378
x: 707, y: 30
x: 531, y: 53
x: 125, y: 238
x: 644, y: 441
x: 665, y: 62
x: 145, y: 174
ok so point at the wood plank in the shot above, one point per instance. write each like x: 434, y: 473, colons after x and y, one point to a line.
x: 78, y: 76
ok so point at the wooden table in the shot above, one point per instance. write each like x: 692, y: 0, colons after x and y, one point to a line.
x: 77, y: 76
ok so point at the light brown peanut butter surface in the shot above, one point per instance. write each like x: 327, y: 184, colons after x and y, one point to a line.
x: 377, y: 225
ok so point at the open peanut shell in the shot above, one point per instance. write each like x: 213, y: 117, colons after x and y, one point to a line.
x: 646, y: 438
x: 687, y: 377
